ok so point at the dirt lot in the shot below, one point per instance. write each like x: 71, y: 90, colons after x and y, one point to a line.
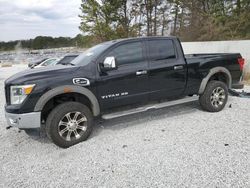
x: 180, y: 146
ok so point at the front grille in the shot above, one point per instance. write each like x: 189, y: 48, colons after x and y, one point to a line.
x: 7, y: 94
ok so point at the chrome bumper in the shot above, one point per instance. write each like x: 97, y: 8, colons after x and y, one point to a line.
x: 24, y: 121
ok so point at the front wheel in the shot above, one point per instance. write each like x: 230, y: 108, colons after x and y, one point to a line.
x: 214, y: 97
x: 69, y: 123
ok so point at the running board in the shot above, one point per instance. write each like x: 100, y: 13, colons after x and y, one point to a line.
x: 149, y: 107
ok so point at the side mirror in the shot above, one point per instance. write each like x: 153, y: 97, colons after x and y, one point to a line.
x: 109, y: 63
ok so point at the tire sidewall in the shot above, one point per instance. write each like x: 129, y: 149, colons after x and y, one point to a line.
x: 206, y: 101
x: 57, y: 114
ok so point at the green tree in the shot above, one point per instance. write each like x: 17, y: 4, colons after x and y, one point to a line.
x: 100, y: 20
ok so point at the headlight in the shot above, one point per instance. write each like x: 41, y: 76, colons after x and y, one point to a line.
x: 19, y: 93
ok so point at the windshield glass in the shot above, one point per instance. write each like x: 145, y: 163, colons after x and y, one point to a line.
x: 90, y: 54
x: 48, y: 62
x: 66, y: 60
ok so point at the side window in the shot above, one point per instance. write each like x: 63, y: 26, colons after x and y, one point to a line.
x: 128, y: 53
x: 161, y: 49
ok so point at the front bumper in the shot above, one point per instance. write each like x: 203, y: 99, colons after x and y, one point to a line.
x: 24, y: 121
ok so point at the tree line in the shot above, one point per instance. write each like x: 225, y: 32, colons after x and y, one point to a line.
x: 46, y: 42
x: 191, y: 20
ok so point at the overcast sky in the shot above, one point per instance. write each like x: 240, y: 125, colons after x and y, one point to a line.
x: 25, y: 19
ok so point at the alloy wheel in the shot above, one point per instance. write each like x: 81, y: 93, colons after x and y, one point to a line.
x: 72, y: 126
x: 218, y: 97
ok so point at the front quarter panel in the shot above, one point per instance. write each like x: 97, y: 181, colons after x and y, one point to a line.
x: 46, y: 82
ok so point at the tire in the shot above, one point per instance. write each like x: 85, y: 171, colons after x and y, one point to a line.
x: 214, y: 97
x: 69, y: 123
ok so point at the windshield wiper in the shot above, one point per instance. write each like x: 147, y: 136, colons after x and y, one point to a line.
x: 68, y: 64
x: 71, y: 64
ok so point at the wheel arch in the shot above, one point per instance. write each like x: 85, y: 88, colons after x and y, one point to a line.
x: 67, y: 89
x: 215, y: 72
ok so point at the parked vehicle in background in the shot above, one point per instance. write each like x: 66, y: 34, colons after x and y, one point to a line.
x: 35, y: 63
x: 114, y: 79
x: 66, y: 59
x: 48, y: 62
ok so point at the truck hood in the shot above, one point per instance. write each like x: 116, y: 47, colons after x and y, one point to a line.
x: 33, y: 75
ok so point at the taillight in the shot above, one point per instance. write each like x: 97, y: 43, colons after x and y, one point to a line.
x: 241, y: 62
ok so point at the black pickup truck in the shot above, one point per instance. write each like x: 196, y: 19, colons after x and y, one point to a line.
x: 117, y: 78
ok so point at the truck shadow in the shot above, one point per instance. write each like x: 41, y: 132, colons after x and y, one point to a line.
x: 139, y: 118
x: 131, y: 120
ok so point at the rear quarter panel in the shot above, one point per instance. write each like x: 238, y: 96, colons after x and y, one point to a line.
x: 199, y: 66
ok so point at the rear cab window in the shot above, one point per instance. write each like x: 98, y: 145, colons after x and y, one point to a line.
x: 161, y: 49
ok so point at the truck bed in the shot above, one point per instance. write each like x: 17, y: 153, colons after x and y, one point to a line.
x: 212, y: 55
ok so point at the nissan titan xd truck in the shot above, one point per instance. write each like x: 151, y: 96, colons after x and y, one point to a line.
x: 117, y: 78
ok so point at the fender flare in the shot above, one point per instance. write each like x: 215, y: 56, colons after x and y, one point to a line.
x: 211, y: 73
x: 68, y: 89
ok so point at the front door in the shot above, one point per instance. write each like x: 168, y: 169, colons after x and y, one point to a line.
x: 128, y: 84
x: 167, y: 70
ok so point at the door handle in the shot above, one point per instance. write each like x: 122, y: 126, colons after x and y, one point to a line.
x: 141, y: 72
x: 178, y: 67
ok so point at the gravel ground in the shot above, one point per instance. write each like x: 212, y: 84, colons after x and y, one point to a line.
x: 179, y: 146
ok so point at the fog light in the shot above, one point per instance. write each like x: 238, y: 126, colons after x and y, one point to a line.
x: 13, y: 121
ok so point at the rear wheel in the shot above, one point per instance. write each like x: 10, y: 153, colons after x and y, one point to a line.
x: 69, y: 123
x: 214, y: 97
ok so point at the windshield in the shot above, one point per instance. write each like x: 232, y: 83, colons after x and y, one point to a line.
x: 66, y: 60
x: 90, y: 54
x: 48, y: 62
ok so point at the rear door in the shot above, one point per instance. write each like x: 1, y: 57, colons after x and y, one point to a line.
x: 167, y: 69
x: 128, y: 84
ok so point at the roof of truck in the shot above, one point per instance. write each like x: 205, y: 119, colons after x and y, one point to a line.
x: 140, y: 38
